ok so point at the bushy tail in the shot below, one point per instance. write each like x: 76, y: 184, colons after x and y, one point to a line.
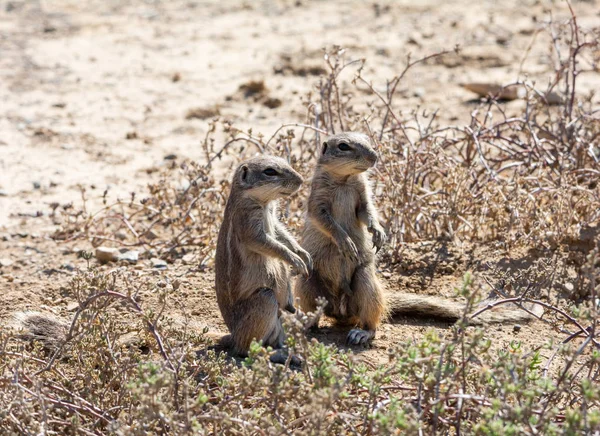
x: 50, y: 330
x: 441, y: 308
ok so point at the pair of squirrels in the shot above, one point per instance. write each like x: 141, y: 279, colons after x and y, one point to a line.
x: 335, y: 258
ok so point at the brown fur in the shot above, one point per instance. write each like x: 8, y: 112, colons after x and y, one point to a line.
x: 50, y: 330
x: 341, y: 234
x: 441, y: 308
x: 253, y: 253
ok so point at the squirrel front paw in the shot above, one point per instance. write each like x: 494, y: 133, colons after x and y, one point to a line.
x: 378, y: 234
x: 306, y: 257
x: 299, y: 265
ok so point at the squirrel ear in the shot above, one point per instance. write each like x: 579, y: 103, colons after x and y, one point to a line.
x: 325, y: 147
x: 243, y: 173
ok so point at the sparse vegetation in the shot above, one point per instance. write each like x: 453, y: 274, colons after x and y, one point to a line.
x: 529, y: 180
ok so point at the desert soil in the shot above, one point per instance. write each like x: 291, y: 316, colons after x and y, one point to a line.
x: 93, y: 94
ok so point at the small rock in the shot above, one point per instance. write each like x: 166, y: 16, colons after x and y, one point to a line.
x: 202, y: 113
x: 517, y: 328
x: 158, y: 263
x: 502, y: 39
x: 10, y: 277
x: 37, y: 185
x: 121, y: 235
x: 3, y: 193
x: 131, y: 135
x: 253, y: 87
x: 492, y: 90
x: 72, y: 307
x: 272, y: 102
x: 107, y: 254
x: 188, y: 258
x: 569, y: 287
x: 386, y: 274
x: 185, y: 184
x: 150, y: 235
x: 4, y: 262
x: 171, y: 156
x: 383, y: 52
x: 130, y: 256
x: 419, y: 92
x: 415, y: 39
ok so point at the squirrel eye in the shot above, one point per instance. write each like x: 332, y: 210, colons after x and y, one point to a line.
x: 270, y: 172
x: 343, y: 146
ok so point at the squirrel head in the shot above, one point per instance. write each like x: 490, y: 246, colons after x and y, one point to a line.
x: 266, y: 178
x: 347, y: 154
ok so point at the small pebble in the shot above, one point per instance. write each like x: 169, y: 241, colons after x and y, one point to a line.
x: 418, y: 92
x: 150, y: 235
x: 188, y: 258
x: 73, y: 306
x: 107, y: 254
x: 170, y: 157
x: 158, y: 263
x: 130, y: 256
x: 517, y: 328
x: 3, y: 193
x: 4, y: 262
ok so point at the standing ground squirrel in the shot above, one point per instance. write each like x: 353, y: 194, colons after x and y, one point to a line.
x: 253, y: 253
x: 342, y: 234
x: 341, y: 230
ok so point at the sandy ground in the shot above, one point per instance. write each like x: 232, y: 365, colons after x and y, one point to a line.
x: 93, y: 93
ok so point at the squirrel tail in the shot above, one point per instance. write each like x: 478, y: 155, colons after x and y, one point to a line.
x: 50, y: 330
x: 441, y: 308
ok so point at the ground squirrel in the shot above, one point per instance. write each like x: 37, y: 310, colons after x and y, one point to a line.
x: 343, y: 234
x: 253, y: 253
x: 342, y: 229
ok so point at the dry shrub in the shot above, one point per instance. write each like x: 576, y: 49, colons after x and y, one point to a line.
x: 167, y: 381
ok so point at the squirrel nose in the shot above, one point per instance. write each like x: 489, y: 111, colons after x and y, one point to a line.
x: 371, y: 156
x: 297, y: 178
